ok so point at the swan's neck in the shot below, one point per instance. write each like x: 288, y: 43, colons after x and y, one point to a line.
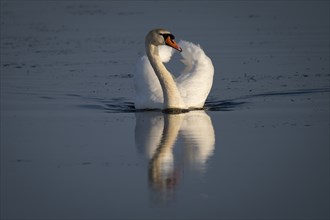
x: 172, y: 96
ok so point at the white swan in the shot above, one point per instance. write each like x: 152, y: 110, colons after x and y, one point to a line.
x: 155, y: 86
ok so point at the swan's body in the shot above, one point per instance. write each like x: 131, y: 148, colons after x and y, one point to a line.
x: 156, y: 88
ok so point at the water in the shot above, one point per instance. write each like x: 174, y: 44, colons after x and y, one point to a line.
x: 73, y: 146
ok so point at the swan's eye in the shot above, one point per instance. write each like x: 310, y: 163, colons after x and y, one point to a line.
x: 168, y: 35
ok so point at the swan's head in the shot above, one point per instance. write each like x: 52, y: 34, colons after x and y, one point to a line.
x: 159, y: 37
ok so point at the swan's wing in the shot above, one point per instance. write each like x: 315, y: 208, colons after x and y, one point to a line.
x: 148, y: 92
x: 195, y: 82
x: 165, y: 53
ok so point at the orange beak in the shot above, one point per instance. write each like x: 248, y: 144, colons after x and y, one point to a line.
x: 170, y: 42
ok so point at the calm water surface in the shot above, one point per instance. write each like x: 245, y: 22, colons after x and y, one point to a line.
x: 72, y: 146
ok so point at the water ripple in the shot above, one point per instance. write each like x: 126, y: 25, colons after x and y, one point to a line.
x: 122, y: 105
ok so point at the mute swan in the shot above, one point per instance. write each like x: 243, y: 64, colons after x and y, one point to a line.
x: 155, y: 86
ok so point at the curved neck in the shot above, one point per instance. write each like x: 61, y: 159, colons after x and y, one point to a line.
x: 172, y: 96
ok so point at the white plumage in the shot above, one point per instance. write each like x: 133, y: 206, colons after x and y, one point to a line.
x: 194, y: 83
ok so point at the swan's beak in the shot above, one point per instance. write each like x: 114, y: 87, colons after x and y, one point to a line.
x: 170, y: 42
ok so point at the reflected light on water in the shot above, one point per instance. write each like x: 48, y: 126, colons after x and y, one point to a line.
x: 158, y: 134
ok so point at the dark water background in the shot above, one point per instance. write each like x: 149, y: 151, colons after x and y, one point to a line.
x: 73, y: 147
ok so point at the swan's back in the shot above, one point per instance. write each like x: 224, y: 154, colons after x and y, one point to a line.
x: 194, y: 83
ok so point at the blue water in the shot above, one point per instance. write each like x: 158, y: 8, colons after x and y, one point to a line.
x: 74, y: 147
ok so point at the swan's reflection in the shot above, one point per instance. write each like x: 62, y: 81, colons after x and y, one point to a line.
x: 156, y: 134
